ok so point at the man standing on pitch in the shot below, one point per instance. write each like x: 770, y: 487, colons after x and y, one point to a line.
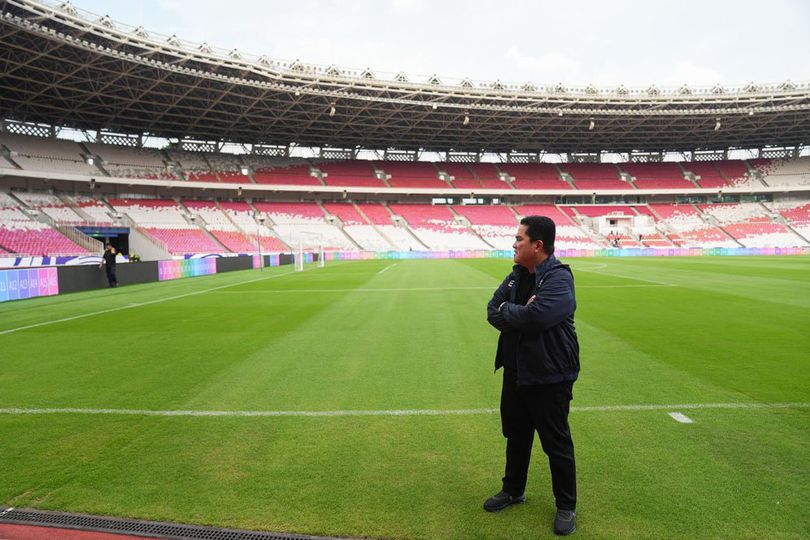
x: 108, y: 261
x: 538, y: 349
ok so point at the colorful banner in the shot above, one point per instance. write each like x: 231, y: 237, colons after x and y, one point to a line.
x: 567, y: 253
x: 186, y: 268
x: 28, y: 283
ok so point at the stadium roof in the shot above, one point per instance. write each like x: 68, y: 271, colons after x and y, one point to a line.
x: 65, y: 67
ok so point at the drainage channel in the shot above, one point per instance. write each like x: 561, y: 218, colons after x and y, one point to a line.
x: 136, y: 527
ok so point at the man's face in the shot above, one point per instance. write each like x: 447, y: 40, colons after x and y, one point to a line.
x: 526, y: 251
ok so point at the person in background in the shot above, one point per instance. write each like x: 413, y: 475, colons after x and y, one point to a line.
x: 108, y: 262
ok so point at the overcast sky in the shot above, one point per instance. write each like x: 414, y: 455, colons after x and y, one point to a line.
x: 606, y: 43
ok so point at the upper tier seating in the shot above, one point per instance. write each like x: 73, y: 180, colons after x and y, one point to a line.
x: 794, y: 172
x: 294, y: 175
x: 656, y: 175
x: 131, y: 162
x: 350, y: 173
x: 593, y: 176
x: 47, y: 155
x: 412, y: 174
x: 535, y: 176
x: 708, y: 176
x: 736, y: 172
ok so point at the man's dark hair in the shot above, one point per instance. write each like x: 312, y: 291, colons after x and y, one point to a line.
x: 541, y: 228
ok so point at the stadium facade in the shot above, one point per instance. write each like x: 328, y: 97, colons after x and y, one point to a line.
x: 118, y: 87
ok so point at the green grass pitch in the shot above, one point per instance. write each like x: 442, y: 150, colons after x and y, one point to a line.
x: 413, y: 336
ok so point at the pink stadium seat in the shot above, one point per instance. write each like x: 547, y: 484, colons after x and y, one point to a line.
x: 376, y: 213
x: 549, y: 210
x: 295, y: 175
x: 425, y: 216
x: 182, y: 241
x: 346, y: 212
x: 656, y: 175
x: 710, y: 176
x: 37, y: 242
x: 306, y: 210
x: 597, y: 211
x: 595, y: 176
x: 488, y: 215
x: 350, y: 173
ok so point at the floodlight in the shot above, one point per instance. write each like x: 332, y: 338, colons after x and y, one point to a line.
x: 332, y: 110
x: 717, y: 125
x: 466, y: 119
x: 750, y: 113
x: 591, y: 125
x: 435, y: 106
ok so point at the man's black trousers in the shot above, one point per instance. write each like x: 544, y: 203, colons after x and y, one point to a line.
x: 112, y: 279
x: 541, y: 408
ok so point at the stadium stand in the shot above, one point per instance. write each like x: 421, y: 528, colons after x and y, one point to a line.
x: 128, y: 162
x: 364, y: 234
x: 411, y: 174
x: 166, y: 221
x: 495, y: 224
x: 707, y: 175
x: 47, y: 155
x: 242, y: 215
x: 350, y: 174
x: 437, y: 228
x: 656, y: 175
x: 751, y: 225
x: 789, y: 173
x: 593, y: 176
x: 380, y: 217
x: 50, y: 205
x: 544, y: 176
x: 304, y: 223
x: 292, y: 175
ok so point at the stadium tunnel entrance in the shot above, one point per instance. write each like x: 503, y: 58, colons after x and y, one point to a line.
x: 117, y: 236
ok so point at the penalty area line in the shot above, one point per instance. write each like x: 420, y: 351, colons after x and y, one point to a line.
x: 392, y: 412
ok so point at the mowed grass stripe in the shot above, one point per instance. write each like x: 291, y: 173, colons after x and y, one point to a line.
x: 423, y: 476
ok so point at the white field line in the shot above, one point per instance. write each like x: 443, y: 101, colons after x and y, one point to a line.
x: 418, y: 289
x: 387, y: 267
x: 680, y: 417
x: 394, y: 412
x: 138, y: 304
x: 599, y: 266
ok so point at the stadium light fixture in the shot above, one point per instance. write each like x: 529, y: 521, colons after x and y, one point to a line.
x: 332, y: 110
x: 435, y: 106
x: 717, y: 125
x: 591, y: 125
x: 466, y: 119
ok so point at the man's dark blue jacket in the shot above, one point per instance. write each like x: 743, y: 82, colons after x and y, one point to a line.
x: 547, y: 349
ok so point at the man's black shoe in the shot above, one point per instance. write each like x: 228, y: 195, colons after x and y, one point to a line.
x: 501, y: 501
x: 565, y: 522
